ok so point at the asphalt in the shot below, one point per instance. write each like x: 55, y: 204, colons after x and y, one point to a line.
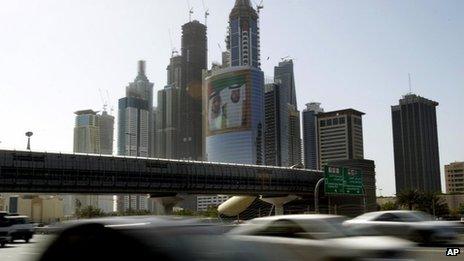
x: 21, y: 251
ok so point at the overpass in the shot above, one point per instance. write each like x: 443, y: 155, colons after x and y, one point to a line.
x: 41, y: 172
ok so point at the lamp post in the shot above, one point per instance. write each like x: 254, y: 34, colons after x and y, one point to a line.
x: 28, y: 135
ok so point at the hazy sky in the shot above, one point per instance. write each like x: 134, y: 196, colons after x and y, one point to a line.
x: 56, y: 54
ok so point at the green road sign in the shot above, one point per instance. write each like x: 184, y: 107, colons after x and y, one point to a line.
x: 343, y: 181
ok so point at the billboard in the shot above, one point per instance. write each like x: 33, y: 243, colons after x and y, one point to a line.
x: 228, y: 103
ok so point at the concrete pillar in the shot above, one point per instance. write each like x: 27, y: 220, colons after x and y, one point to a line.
x: 163, y: 205
x: 279, y: 202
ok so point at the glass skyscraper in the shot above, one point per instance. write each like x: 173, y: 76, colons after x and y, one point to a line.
x: 233, y: 105
x: 243, y: 38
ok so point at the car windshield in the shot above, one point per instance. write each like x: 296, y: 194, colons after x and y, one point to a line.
x: 414, y: 216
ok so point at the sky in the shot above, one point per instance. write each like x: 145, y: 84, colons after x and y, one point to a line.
x: 55, y: 56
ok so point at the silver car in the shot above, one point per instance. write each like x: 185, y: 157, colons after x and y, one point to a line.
x: 417, y: 226
x: 318, y: 237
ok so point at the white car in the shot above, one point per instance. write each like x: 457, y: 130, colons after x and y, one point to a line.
x: 417, y: 226
x: 318, y: 237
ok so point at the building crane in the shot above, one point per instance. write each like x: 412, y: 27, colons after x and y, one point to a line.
x: 190, y: 10
x: 206, y: 12
x: 105, y: 103
x: 173, y: 50
x: 260, y: 6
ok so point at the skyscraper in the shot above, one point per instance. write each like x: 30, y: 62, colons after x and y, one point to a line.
x: 282, y: 118
x: 194, y: 58
x: 310, y: 135
x: 135, y: 133
x: 415, y: 144
x: 87, y: 132
x: 243, y: 39
x: 167, y: 125
x: 233, y: 96
x: 93, y: 133
x: 272, y: 136
x: 340, y: 136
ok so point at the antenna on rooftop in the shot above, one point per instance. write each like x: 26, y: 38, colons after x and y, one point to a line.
x: 409, y: 76
x: 260, y: 6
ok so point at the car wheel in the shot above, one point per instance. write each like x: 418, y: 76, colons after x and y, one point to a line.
x: 27, y: 239
x: 420, y: 237
x: 2, y: 244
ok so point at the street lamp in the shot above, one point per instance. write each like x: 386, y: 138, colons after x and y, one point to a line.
x: 28, y: 135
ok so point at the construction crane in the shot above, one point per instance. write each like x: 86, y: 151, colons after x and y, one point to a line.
x: 190, y: 10
x: 206, y: 12
x: 173, y: 49
x: 105, y: 103
x: 260, y: 6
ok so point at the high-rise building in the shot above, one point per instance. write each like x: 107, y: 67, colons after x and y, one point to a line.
x: 234, y: 115
x: 106, y: 123
x: 282, y: 132
x: 454, y: 177
x: 135, y: 129
x: 93, y: 133
x: 87, y: 132
x: 194, y: 57
x: 415, y: 144
x: 340, y: 136
x: 272, y: 122
x: 243, y: 39
x: 310, y: 135
x: 167, y: 125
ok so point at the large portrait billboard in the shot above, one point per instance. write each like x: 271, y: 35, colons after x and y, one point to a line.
x: 228, y: 103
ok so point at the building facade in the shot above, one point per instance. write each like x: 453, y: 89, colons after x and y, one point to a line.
x: 272, y: 135
x: 310, y: 135
x: 243, y: 40
x: 87, y: 132
x: 167, y: 123
x: 135, y: 130
x: 194, y: 57
x: 234, y: 115
x: 454, y: 177
x: 340, y: 135
x: 415, y: 144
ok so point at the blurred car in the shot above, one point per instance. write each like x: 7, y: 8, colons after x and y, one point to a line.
x: 4, y: 236
x: 318, y: 237
x: 416, y: 226
x: 17, y: 227
x: 153, y: 238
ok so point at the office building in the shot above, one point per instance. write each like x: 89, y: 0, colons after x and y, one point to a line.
x: 203, y: 202
x: 194, y: 57
x: 135, y: 129
x: 415, y: 144
x: 310, y: 135
x: 167, y: 123
x: 234, y: 115
x: 243, y: 40
x: 454, y: 177
x: 87, y: 132
x: 272, y: 122
x: 93, y: 134
x: 282, y: 119
x: 340, y: 135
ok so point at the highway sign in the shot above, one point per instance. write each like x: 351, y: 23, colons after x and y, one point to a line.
x: 343, y: 181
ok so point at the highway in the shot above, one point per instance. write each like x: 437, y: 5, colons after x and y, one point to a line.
x: 20, y: 251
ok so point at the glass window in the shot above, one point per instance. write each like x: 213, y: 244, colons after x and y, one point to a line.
x: 322, y: 123
x: 329, y: 122
x: 335, y: 121
x: 341, y: 120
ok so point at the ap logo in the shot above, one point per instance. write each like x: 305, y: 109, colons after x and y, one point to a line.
x: 452, y: 251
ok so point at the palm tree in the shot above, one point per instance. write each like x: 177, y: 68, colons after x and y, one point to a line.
x: 408, y: 198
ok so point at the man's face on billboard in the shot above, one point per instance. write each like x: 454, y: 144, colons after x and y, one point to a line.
x: 235, y: 96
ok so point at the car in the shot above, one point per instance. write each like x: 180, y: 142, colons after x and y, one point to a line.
x: 16, y: 227
x: 151, y: 238
x: 318, y: 237
x: 416, y: 226
x: 4, y: 236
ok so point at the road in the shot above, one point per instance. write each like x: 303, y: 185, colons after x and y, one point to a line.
x: 20, y: 251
